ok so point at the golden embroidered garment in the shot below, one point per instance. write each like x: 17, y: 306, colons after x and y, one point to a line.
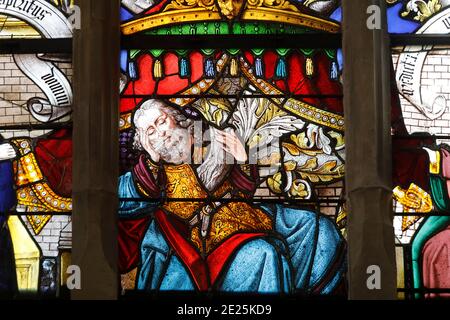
x: 226, y: 219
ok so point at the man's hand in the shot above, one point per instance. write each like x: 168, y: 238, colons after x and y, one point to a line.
x: 7, y: 152
x: 233, y: 145
x: 147, y: 147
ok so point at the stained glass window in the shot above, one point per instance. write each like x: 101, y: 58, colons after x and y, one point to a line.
x: 232, y: 157
x: 35, y: 150
x: 232, y: 160
x: 34, y: 19
x: 410, y: 17
x: 420, y: 139
x: 404, y: 16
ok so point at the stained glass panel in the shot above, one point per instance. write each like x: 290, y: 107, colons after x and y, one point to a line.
x: 36, y: 179
x: 418, y: 17
x: 282, y: 114
x: 36, y: 19
x: 232, y: 161
x: 227, y: 17
x: 404, y: 16
x: 35, y: 152
x: 227, y: 156
x: 421, y: 147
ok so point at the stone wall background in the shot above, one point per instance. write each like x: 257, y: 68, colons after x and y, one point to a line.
x: 15, y: 90
x: 48, y: 238
x: 436, y: 78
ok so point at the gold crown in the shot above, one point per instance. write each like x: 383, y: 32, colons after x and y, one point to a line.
x: 188, y: 11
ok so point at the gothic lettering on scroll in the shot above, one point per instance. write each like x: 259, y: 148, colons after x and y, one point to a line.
x: 407, y: 76
x: 56, y: 87
x: 26, y: 7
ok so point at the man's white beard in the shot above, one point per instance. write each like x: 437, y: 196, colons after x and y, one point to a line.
x: 175, y: 148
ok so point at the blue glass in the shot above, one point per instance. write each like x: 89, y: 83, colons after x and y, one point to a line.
x: 133, y: 70
x: 124, y: 61
x: 281, y: 72
x: 209, y: 69
x: 259, y: 71
x: 337, y: 15
x: 125, y: 14
x: 334, y: 73
x: 184, y: 67
x: 397, y: 24
x: 340, y: 59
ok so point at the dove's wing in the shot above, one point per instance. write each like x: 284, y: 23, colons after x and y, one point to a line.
x: 308, y: 153
x: 261, y: 124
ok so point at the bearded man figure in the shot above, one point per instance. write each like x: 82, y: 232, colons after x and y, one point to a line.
x: 198, y: 238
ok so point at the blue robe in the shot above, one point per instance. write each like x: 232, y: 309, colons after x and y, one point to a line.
x: 306, y: 256
x: 8, y: 282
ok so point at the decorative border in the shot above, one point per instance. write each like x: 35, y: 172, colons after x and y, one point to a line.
x: 33, y: 192
x: 297, y: 107
x: 202, y: 14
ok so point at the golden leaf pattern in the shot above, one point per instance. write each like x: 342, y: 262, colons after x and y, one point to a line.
x: 275, y: 182
x: 215, y: 110
x: 189, y: 4
x: 267, y: 112
x: 422, y: 9
x: 273, y: 4
x: 327, y: 172
x: 299, y: 189
x: 296, y: 151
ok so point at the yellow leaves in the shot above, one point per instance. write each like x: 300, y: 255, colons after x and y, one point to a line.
x: 222, y: 104
x: 187, y: 4
x: 300, y: 140
x: 298, y: 189
x: 339, y: 138
x: 217, y: 116
x: 311, y: 171
x: 300, y: 146
x: 275, y: 183
x: 274, y: 4
x: 327, y: 172
x: 296, y: 151
x: 290, y: 165
x: 292, y: 149
x: 423, y: 9
x: 215, y: 110
x: 267, y: 111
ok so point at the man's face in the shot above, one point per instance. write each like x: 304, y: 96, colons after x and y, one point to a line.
x: 162, y: 133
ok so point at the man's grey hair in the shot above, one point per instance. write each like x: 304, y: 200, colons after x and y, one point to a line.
x: 214, y: 168
x: 151, y: 105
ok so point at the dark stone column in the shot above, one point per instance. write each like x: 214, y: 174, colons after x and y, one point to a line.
x: 95, y: 168
x: 368, y: 146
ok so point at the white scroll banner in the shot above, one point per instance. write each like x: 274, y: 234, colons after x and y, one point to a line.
x: 409, y: 70
x: 50, y: 23
x: 52, y: 82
